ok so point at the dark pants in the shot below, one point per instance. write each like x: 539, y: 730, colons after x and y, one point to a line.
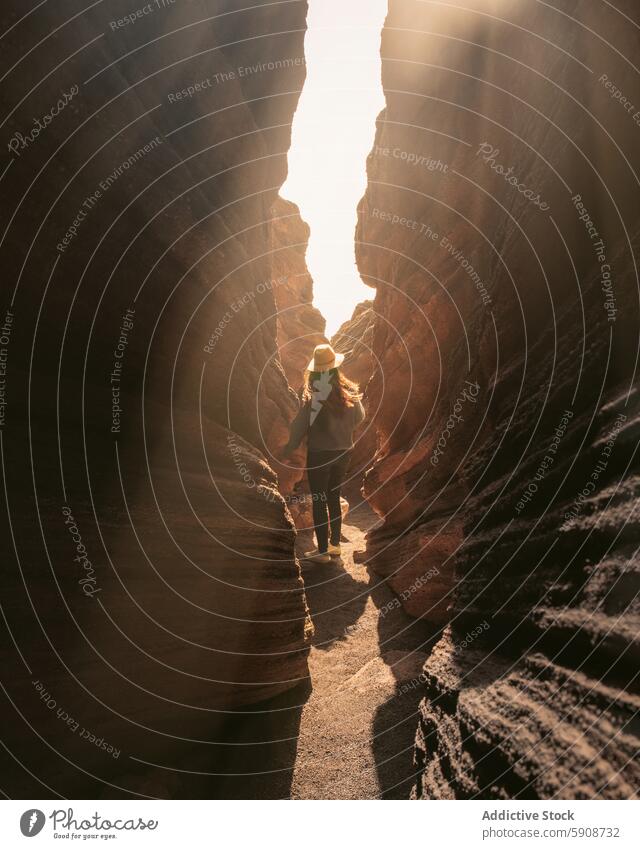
x: 326, y: 471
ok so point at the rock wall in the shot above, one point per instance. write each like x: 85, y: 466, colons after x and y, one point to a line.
x: 300, y: 324
x: 355, y: 339
x: 500, y: 234
x: 150, y: 572
x: 300, y: 327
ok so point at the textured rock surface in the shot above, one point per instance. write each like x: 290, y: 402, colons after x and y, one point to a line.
x: 355, y: 339
x: 195, y: 603
x: 533, y: 689
x: 496, y: 320
x: 300, y: 324
x: 300, y: 327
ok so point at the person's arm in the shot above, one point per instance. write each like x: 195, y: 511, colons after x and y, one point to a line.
x: 358, y: 413
x: 298, y: 428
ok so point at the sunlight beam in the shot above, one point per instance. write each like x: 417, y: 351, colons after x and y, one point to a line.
x: 333, y: 132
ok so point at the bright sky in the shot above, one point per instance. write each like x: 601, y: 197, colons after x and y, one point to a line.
x: 333, y: 132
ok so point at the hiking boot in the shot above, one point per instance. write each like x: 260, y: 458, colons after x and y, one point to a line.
x: 315, y: 556
x: 335, y: 550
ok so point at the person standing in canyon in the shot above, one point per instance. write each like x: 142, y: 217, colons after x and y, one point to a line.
x: 330, y: 410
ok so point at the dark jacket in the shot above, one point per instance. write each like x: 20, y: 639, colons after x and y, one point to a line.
x: 330, y: 431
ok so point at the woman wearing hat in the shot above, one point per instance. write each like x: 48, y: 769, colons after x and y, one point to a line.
x: 330, y: 411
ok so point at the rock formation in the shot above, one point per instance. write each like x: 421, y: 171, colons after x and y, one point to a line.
x: 499, y: 235
x: 152, y: 581
x: 355, y: 339
x: 300, y: 324
x: 300, y: 327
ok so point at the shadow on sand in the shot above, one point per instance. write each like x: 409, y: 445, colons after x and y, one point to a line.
x: 405, y: 644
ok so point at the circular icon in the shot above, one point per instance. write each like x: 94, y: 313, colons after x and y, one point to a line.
x: 32, y: 822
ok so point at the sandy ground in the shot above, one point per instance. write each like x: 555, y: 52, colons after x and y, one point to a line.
x: 358, y: 725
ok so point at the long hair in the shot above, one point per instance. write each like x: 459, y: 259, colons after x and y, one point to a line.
x: 343, y: 395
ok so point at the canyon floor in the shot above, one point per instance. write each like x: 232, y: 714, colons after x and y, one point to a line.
x: 357, y: 728
x: 349, y: 733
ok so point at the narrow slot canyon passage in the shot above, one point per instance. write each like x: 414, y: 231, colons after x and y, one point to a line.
x: 349, y: 732
x: 357, y: 723
x: 447, y: 194
x: 357, y: 728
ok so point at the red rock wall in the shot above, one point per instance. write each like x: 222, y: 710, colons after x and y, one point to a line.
x: 505, y: 474
x: 300, y: 327
x: 355, y: 339
x: 192, y: 602
x: 300, y: 324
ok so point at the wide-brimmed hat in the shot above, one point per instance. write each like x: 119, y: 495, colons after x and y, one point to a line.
x: 325, y: 358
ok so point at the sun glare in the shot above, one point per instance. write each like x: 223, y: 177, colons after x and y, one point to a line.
x: 333, y: 132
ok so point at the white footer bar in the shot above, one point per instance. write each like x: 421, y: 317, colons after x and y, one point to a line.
x: 318, y: 825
